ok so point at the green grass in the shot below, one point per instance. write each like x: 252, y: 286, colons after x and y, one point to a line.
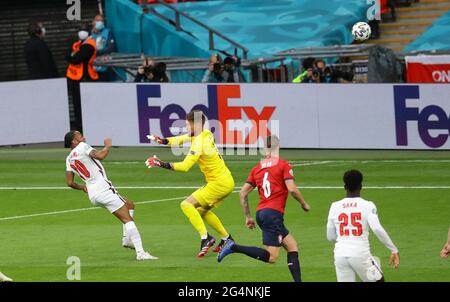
x: 36, y: 248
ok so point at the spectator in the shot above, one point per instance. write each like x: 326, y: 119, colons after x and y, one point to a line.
x: 312, y: 76
x: 231, y: 67
x: 38, y: 56
x: 307, y: 65
x: 159, y: 73
x: 215, y: 72
x: 104, y: 40
x: 80, y: 56
x: 328, y: 74
x: 151, y: 72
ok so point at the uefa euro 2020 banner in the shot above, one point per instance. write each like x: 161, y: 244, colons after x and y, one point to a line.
x: 381, y: 116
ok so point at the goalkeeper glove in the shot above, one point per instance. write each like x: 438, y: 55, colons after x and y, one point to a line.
x: 156, y: 162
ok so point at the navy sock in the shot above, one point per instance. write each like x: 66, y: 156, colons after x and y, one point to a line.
x: 252, y: 251
x: 294, y: 266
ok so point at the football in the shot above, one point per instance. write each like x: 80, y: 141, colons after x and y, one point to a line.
x: 361, y: 31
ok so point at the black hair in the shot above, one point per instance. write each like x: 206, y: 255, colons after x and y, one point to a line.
x: 194, y: 115
x: 85, y: 26
x: 68, y: 138
x: 34, y: 28
x: 228, y: 61
x: 353, y: 180
x: 318, y: 61
x: 308, y: 63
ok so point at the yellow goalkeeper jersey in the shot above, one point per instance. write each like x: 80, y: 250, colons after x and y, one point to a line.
x: 204, y: 151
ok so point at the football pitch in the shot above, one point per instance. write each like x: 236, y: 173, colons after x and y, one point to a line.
x: 42, y: 222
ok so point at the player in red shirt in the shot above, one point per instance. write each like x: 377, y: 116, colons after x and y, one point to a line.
x: 274, y: 179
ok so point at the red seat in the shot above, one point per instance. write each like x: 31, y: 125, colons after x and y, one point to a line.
x: 384, y: 6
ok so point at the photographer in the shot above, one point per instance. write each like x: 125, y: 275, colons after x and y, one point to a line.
x: 231, y: 67
x: 216, y: 71
x: 312, y: 76
x: 331, y: 75
x: 152, y: 72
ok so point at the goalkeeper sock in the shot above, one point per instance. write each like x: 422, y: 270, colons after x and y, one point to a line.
x: 194, y: 217
x: 252, y: 251
x: 215, y: 223
x: 135, y: 237
x: 294, y: 266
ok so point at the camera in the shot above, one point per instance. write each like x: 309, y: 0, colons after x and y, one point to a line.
x: 148, y: 69
x: 217, y: 67
x: 316, y: 72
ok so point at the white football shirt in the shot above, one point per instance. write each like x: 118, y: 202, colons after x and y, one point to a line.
x: 349, y: 221
x: 90, y: 170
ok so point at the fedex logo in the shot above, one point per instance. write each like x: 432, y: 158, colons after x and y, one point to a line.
x: 403, y: 114
x: 218, y: 111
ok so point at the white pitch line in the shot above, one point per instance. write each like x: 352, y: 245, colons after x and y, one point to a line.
x: 83, y: 209
x: 237, y: 188
x: 88, y: 209
x: 312, y: 163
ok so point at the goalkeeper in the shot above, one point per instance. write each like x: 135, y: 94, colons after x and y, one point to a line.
x: 219, y: 181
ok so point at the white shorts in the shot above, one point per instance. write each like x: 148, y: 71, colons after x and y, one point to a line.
x: 109, y: 200
x: 366, y: 268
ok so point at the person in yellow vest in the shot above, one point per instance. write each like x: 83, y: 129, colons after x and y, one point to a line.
x: 80, y: 57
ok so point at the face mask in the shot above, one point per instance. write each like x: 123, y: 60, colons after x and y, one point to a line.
x: 83, y: 35
x: 43, y: 31
x: 99, y: 25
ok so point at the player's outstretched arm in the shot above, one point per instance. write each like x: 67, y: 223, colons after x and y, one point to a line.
x: 446, y: 249
x: 243, y: 196
x: 382, y: 235
x: 175, y: 140
x: 102, y: 154
x: 292, y: 188
x: 71, y: 183
x: 157, y: 139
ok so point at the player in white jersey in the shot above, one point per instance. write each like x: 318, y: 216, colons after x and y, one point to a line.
x: 84, y: 161
x: 349, y: 221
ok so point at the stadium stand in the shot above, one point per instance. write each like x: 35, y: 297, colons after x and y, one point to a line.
x: 412, y: 19
x: 264, y: 29
x: 14, y: 19
x: 435, y: 38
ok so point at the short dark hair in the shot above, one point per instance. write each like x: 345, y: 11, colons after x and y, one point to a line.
x: 228, y: 61
x: 68, y: 138
x: 34, y: 28
x: 318, y: 61
x: 308, y: 63
x: 195, y: 115
x: 353, y: 180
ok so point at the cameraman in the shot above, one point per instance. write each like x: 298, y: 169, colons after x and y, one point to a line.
x: 231, y: 67
x: 216, y: 71
x: 145, y: 71
x: 151, y: 72
x: 329, y: 74
x: 312, y: 76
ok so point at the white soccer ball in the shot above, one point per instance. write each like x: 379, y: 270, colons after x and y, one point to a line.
x: 361, y: 31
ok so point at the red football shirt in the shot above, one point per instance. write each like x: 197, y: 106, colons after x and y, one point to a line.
x: 269, y: 176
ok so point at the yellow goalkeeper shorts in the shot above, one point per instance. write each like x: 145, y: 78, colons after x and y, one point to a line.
x: 212, y: 194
